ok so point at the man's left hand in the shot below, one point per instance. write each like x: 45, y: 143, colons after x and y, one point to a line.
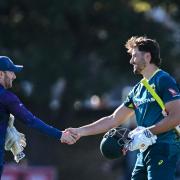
x: 141, y: 138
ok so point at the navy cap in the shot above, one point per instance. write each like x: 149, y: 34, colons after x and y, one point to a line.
x: 7, y: 65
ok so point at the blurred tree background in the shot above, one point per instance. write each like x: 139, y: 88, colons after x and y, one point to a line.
x: 72, y: 50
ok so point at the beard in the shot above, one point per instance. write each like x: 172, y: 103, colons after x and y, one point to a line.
x: 7, y: 82
x: 139, y: 67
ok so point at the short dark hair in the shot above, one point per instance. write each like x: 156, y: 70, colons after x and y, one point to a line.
x: 147, y: 45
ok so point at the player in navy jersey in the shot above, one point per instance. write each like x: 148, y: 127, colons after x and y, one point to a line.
x: 11, y: 104
x: 159, y: 160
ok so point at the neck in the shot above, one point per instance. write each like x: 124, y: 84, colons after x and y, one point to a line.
x: 149, y: 71
x: 2, y: 83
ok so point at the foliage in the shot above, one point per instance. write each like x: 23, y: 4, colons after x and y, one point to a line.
x: 81, y: 41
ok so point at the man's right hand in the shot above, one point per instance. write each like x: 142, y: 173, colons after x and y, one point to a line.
x: 69, y: 136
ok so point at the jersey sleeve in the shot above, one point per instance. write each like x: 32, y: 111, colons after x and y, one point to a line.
x: 17, y: 108
x: 168, y: 88
x: 128, y: 101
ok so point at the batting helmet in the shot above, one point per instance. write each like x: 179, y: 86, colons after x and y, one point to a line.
x: 114, y: 143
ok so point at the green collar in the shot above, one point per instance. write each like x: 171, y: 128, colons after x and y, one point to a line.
x: 154, y: 74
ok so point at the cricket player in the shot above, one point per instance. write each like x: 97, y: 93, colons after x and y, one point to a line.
x: 159, y: 159
x: 11, y: 104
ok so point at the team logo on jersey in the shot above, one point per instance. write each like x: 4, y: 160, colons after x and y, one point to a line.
x: 153, y: 86
x: 160, y: 162
x: 173, y: 92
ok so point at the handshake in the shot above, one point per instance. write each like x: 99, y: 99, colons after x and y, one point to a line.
x: 70, y: 136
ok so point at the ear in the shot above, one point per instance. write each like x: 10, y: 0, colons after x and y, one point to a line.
x: 147, y: 57
x: 1, y: 74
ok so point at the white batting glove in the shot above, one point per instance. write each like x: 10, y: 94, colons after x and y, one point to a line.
x: 142, y: 138
x: 135, y: 131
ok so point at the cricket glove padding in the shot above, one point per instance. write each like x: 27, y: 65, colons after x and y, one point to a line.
x: 141, y: 138
x: 15, y: 141
x: 12, y: 137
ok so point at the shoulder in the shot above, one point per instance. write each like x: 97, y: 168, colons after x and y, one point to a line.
x: 164, y: 78
x: 8, y: 96
x: 164, y: 75
x: 167, y: 87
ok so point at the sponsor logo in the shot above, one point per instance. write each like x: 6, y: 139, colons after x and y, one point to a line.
x: 153, y: 86
x: 173, y: 92
x: 147, y: 133
x: 138, y: 102
x: 160, y: 162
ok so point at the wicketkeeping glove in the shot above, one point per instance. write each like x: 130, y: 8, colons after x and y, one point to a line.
x: 15, y: 141
x: 141, y: 138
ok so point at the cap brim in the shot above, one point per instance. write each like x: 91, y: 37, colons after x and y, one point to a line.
x: 17, y: 68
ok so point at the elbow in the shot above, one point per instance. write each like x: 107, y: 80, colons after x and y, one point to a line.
x: 177, y: 119
x: 173, y: 117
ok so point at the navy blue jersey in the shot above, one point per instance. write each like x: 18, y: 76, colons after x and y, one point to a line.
x: 10, y: 104
x: 147, y: 110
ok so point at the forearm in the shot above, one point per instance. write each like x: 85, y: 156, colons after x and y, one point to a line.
x: 104, y: 124
x: 166, y: 124
x: 100, y: 126
x: 45, y: 128
x: 171, y: 120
